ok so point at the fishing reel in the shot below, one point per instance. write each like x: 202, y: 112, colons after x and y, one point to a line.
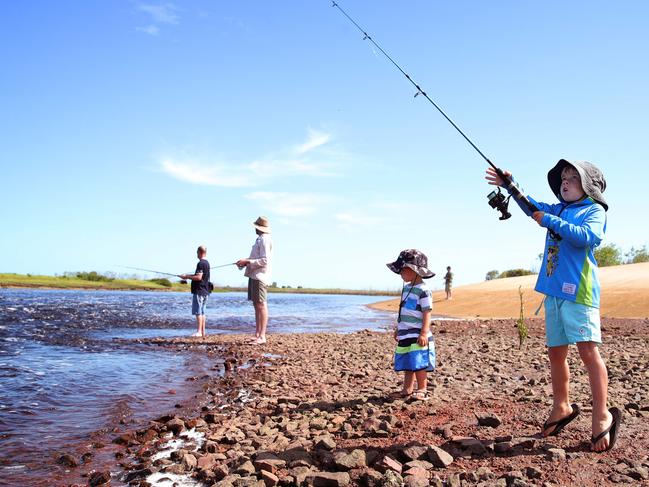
x: 499, y: 202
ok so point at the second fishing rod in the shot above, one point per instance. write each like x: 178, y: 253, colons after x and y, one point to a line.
x: 496, y: 199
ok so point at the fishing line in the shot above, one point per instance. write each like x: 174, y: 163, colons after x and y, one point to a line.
x: 148, y: 270
x: 496, y: 199
x: 367, y: 37
x: 169, y: 273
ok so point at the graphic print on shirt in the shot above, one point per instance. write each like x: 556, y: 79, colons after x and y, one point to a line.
x: 552, y: 260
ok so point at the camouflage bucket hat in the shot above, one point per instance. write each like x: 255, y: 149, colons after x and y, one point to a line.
x: 413, y: 259
x: 592, y: 179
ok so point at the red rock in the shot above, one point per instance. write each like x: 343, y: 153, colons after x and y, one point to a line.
x: 388, y: 463
x: 269, y: 478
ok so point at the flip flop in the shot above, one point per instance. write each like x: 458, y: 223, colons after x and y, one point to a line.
x: 563, y: 422
x: 419, y: 396
x: 613, y: 429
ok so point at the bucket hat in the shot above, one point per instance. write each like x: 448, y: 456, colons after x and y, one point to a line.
x: 262, y: 224
x: 592, y: 179
x: 413, y: 259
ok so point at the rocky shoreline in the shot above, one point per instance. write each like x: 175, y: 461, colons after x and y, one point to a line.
x: 315, y: 409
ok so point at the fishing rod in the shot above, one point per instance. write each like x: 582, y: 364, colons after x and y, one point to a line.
x: 168, y: 273
x: 148, y: 270
x: 496, y: 199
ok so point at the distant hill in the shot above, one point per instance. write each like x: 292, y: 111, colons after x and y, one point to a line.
x: 625, y: 294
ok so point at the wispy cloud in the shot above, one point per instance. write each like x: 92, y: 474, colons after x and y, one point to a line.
x: 287, y: 204
x: 248, y: 174
x: 163, y: 13
x: 210, y: 175
x: 316, y: 139
x: 152, y: 30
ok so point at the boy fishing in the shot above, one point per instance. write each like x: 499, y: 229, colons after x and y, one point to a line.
x: 200, y: 288
x: 568, y: 278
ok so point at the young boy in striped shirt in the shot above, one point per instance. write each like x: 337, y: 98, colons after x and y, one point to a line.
x: 415, y: 352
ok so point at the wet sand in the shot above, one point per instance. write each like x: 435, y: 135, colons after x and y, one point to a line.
x: 316, y: 409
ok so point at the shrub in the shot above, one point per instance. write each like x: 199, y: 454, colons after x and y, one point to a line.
x: 491, y: 275
x: 635, y: 256
x: 515, y: 273
x: 608, y: 255
x: 93, y: 276
x: 162, y: 281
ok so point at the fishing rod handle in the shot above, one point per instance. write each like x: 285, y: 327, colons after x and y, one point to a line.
x: 514, y: 190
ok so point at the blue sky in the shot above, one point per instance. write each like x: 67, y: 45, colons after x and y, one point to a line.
x: 134, y: 131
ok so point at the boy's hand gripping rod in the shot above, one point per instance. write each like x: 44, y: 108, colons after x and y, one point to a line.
x: 509, y: 184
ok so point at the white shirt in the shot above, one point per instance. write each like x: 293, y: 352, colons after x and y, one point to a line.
x: 260, y: 258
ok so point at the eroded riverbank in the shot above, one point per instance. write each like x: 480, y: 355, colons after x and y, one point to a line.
x: 316, y: 409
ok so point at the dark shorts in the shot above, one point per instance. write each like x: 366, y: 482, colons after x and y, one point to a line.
x: 256, y: 291
x: 199, y: 303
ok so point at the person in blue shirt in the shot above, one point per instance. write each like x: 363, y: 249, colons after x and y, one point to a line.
x: 568, y: 278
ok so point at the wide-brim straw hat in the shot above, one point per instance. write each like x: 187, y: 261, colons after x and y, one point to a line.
x: 413, y: 259
x: 262, y: 224
x: 592, y: 179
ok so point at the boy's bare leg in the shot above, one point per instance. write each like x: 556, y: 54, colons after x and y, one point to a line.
x: 408, y: 381
x: 422, y: 379
x: 560, y: 373
x: 598, y: 378
x: 203, y: 319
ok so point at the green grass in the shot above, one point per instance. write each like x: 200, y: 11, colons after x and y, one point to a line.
x: 73, y: 282
x: 69, y: 282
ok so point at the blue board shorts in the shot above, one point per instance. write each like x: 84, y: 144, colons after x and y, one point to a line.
x: 567, y: 323
x: 199, y: 303
x: 409, y: 356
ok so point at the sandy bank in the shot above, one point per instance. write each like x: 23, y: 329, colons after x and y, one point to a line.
x: 625, y: 294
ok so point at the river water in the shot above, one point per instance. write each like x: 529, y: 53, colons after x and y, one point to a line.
x: 64, y: 380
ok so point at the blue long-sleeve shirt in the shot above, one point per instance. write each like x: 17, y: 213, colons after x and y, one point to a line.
x: 569, y: 270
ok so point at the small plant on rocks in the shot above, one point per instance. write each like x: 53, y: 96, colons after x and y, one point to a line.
x: 520, y: 322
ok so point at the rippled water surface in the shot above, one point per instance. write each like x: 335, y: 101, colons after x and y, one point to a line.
x: 63, y: 378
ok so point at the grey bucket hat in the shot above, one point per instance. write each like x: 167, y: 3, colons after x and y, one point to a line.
x: 413, y: 259
x: 592, y: 179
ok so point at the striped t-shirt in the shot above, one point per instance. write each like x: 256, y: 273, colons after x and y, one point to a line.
x: 414, y: 301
